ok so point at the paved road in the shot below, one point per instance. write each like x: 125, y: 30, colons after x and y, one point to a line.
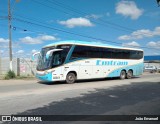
x: 140, y: 95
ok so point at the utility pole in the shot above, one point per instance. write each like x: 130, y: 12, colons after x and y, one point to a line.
x: 10, y: 35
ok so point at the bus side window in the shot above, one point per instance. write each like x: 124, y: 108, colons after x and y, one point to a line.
x: 78, y: 52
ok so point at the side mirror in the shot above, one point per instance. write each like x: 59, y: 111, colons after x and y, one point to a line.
x: 33, y: 56
x: 49, y: 53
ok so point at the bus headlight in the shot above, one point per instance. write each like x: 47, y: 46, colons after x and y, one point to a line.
x: 45, y: 72
x: 50, y: 71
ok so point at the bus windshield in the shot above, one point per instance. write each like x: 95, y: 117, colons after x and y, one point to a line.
x: 55, y: 59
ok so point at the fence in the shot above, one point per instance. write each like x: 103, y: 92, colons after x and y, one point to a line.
x: 21, y: 66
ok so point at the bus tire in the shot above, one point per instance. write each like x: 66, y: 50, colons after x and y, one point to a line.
x: 70, y: 78
x: 129, y: 74
x: 122, y: 75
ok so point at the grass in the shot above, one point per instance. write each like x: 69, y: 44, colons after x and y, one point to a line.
x: 10, y: 75
x: 22, y: 77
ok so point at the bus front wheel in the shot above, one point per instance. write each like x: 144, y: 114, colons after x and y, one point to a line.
x: 122, y: 75
x: 70, y: 78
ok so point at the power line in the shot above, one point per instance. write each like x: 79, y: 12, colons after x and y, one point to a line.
x: 100, y: 21
x: 22, y: 29
x: 61, y: 11
x: 26, y: 30
x: 97, y: 22
x: 32, y: 19
x: 48, y: 6
x: 32, y: 31
x: 69, y: 33
x: 73, y: 33
x: 84, y: 13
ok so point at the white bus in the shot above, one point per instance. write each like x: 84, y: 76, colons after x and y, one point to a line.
x: 74, y: 60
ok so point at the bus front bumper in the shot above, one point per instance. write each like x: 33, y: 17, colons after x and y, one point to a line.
x: 44, y: 77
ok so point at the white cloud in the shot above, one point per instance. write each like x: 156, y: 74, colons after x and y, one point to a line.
x: 94, y: 16
x: 97, y: 16
x: 37, y: 40
x: 124, y: 37
x: 142, y: 33
x: 128, y: 8
x: 47, y: 37
x: 34, y: 51
x: 156, y: 31
x: 4, y: 43
x: 2, y: 40
x: 74, y: 22
x: 20, y: 51
x: 30, y: 40
x: 154, y: 44
x: 131, y: 44
x: 139, y: 34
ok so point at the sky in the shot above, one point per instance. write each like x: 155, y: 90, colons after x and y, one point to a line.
x: 36, y: 23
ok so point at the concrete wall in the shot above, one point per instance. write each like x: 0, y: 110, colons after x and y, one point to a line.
x: 21, y: 66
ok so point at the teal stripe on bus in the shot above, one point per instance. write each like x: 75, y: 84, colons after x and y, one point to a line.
x: 137, y: 70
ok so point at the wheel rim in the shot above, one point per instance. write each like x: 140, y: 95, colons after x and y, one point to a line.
x: 70, y: 78
x: 123, y: 75
x: 129, y: 75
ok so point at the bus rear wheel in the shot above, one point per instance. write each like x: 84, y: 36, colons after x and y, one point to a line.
x: 122, y: 75
x: 70, y: 78
x: 129, y: 74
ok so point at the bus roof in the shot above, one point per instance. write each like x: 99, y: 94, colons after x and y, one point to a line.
x: 87, y: 43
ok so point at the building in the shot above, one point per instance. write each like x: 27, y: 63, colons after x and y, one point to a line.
x: 152, y: 60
